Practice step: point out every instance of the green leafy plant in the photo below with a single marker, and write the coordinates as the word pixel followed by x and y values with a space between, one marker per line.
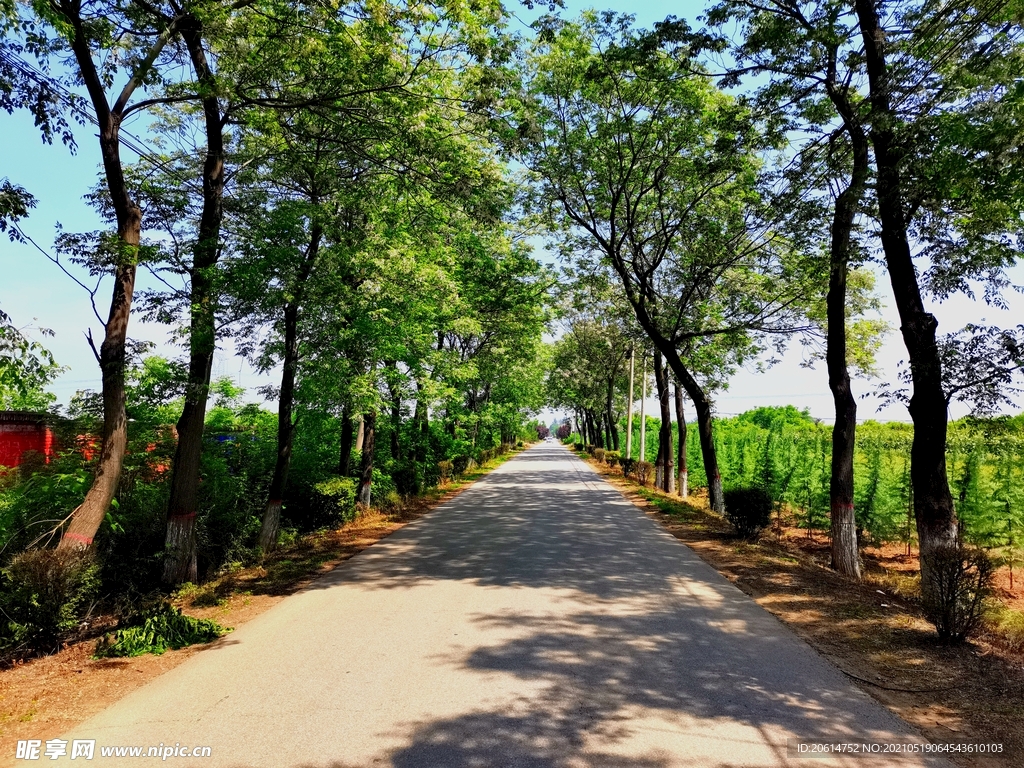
pixel 158 629
pixel 337 497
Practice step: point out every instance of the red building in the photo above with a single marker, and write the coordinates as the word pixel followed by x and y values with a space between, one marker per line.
pixel 22 431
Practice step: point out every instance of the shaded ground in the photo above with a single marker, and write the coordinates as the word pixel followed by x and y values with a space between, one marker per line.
pixel 873 631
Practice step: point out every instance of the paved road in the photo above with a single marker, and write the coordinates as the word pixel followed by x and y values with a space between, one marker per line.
pixel 536 620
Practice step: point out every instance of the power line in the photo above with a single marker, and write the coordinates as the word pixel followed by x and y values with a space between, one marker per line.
pixel 71 99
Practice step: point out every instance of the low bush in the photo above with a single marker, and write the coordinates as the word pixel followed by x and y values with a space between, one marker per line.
pixel 749 510
pixel 382 489
pixel 627 465
pixel 959 581
pixel 336 500
pixel 599 454
pixel 445 468
pixel 43 595
pixel 406 480
pixel 642 472
pixel 157 630
pixel 390 501
pixel 459 465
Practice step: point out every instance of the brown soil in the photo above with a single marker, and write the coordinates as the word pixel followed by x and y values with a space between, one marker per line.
pixel 873 631
pixel 44 697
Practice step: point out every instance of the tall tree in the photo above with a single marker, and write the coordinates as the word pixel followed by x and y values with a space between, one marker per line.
pixel 973 36
pixel 805 51
pixel 937 116
pixel 140 51
pixel 653 172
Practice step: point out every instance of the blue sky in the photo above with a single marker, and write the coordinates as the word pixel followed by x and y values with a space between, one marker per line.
pixel 36 294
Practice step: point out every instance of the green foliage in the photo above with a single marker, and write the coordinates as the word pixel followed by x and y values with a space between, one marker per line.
pixel 34 505
pixel 157 630
pixel 26 368
pixel 43 593
pixel 337 497
pixel 384 493
pixel 749 510
pixel 459 465
pixel 1008 625
pixel 776 417
pixel 789 456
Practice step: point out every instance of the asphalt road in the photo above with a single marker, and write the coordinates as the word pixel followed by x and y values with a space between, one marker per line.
pixel 538 619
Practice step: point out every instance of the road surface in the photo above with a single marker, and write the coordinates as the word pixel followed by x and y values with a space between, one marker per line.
pixel 538 619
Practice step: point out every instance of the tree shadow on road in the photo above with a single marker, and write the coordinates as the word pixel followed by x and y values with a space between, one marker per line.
pixel 534 526
pixel 649 633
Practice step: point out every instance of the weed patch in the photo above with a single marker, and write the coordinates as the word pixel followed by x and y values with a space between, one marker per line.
pixel 161 628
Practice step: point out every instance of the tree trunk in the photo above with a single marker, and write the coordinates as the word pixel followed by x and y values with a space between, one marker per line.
pixel 285 424
pixel 347 438
pixel 422 432
pixel 285 432
pixel 363 492
pixel 613 430
pixel 684 480
pixel 933 504
pixel 659 462
pixel 665 430
pixel 845 555
pixel 89 515
pixel 360 433
pixel 702 406
pixel 629 409
pixel 87 518
pixel 180 546
pixel 395 393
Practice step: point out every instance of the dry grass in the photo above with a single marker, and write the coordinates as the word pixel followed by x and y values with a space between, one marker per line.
pixel 872 630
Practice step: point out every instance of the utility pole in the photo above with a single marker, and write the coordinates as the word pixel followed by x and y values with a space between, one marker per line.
pixel 643 419
pixel 629 411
